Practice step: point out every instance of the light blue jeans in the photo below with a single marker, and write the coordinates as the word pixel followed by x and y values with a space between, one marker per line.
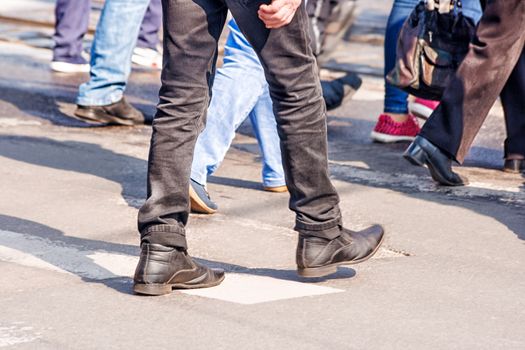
pixel 115 38
pixel 239 91
pixel 396 99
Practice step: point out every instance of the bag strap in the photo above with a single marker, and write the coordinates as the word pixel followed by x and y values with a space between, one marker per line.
pixel 444 6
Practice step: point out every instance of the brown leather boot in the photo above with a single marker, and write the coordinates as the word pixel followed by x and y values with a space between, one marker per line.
pixel 161 269
pixel 118 113
pixel 317 257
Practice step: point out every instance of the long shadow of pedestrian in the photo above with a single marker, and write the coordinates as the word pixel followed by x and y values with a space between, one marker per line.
pixel 53 247
pixel 54 102
pixel 383 167
pixel 52 96
pixel 51 102
pixel 387 169
pixel 81 157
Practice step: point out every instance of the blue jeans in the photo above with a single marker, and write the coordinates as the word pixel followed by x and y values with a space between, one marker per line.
pixel 239 91
pixel 72 19
pixel 115 38
pixel 396 99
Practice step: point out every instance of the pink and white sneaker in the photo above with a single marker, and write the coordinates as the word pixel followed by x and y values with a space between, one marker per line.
pixel 422 108
pixel 387 130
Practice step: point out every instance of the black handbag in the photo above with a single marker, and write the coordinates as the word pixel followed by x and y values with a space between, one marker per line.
pixel 430 48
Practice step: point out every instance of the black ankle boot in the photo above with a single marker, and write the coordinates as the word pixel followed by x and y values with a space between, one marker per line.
pixel 161 269
pixel 317 257
pixel 421 152
pixel 514 166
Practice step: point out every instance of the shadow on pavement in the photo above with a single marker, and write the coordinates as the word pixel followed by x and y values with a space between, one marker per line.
pixel 226 181
pixel 84 248
pixel 383 167
pixel 54 102
pixel 81 157
pixel 43 105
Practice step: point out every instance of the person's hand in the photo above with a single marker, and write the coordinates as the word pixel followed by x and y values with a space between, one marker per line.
pixel 279 13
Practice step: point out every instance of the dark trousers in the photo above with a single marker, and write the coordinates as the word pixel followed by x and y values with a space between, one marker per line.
pixel 191 32
pixel 149 29
pixel 71 24
pixel 492 66
pixel 513 100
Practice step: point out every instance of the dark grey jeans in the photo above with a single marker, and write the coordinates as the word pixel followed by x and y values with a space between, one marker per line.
pixel 191 32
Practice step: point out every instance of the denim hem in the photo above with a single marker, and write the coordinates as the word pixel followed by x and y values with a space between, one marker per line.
pixel 107 100
pixel 71 59
pixel 166 235
pixel 328 230
pixel 396 110
pixel 274 183
pixel 331 233
pixel 198 179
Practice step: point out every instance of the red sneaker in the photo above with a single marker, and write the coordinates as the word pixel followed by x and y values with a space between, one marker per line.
pixel 422 108
pixel 387 130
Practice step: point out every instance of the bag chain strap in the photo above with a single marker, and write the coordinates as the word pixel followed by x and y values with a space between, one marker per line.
pixel 443 6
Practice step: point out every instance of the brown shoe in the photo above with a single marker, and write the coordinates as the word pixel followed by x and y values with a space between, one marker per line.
pixel 162 269
pixel 118 113
pixel 317 257
pixel 277 189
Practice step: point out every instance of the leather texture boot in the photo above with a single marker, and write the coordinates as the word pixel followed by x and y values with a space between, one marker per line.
pixel 318 257
pixel 161 269
pixel 118 113
pixel 422 151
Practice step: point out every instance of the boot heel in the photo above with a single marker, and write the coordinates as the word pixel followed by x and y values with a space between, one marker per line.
pixel 313 272
pixel 152 289
pixel 415 155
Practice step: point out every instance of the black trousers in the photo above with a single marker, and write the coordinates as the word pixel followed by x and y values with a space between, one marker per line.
pixel 191 32
pixel 513 100
pixel 495 64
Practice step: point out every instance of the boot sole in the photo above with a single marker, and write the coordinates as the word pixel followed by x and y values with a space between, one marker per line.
pixel 102 118
pixel 197 205
pixel 313 272
pixel 161 289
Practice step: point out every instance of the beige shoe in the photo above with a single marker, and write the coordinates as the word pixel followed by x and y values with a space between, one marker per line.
pixel 278 189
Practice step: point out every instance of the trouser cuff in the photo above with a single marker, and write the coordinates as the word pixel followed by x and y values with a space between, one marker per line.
pixel 328 230
pixel 166 235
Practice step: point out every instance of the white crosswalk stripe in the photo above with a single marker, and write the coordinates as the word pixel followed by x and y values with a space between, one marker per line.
pixel 241 288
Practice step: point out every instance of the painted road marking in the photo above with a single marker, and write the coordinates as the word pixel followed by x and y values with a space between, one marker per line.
pixel 357 175
pixel 31 251
pixel 16 333
pixel 252 289
pixel 241 288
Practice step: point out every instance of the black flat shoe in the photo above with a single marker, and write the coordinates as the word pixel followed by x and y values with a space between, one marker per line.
pixel 118 113
pixel 514 166
pixel 422 152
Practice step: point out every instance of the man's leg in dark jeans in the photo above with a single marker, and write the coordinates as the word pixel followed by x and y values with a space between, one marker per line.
pixel 291 72
pixel 191 33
